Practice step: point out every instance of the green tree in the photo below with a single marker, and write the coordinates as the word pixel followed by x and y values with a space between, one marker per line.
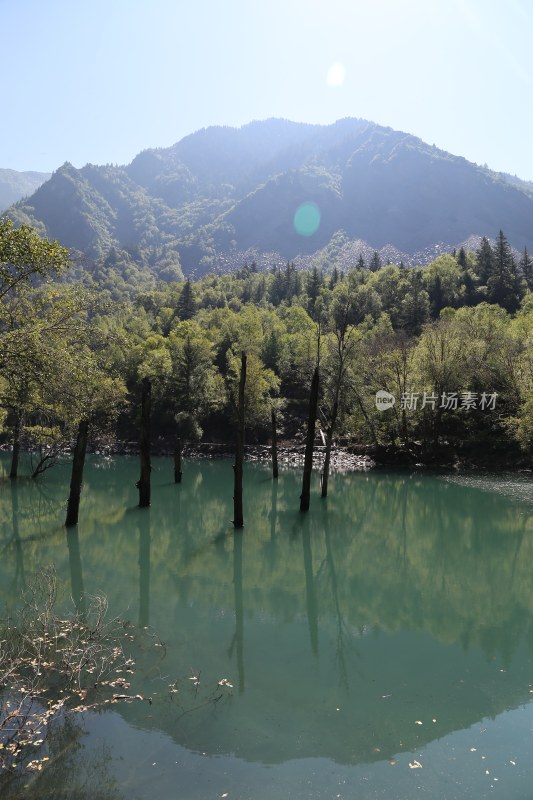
pixel 484 261
pixel 186 304
pixel 504 285
pixel 526 268
pixel 24 255
pixel 195 387
pixel 375 262
pixel 415 304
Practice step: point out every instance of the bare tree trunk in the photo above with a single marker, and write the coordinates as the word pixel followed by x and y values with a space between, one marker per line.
pixel 310 588
pixel 145 444
pixel 239 606
pixel 144 568
pixel 305 496
pixel 329 442
pixel 238 521
pixel 13 473
pixel 274 445
pixel 76 573
pixel 177 460
pixel 76 479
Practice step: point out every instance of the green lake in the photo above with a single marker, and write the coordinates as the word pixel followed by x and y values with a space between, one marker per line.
pixel 379 646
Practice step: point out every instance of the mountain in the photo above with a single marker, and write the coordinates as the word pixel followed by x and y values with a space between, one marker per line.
pixel 15 185
pixel 221 194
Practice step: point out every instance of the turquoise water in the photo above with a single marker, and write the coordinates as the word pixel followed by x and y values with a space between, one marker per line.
pixel 378 647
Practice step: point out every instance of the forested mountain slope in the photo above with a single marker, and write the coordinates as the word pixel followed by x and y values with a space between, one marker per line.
pixel 15 185
pixel 222 193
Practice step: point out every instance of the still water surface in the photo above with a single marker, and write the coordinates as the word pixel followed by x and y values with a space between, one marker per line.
pixel 378 647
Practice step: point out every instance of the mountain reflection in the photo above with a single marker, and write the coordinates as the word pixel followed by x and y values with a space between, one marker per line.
pixel 402 598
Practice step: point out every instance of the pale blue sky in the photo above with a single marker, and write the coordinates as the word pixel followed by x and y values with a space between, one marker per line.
pixel 99 81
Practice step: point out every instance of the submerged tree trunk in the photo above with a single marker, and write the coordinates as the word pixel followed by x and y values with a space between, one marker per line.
pixel 274 445
pixel 144 568
pixel 76 479
pixel 13 473
pixel 177 460
pixel 238 520
pixel 305 496
pixel 76 573
pixel 329 442
pixel 145 444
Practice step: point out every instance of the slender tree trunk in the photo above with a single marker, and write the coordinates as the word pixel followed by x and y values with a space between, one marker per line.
pixel 76 479
pixel 144 568
pixel 305 496
pixel 238 521
pixel 239 606
pixel 310 588
pixel 145 444
pixel 329 442
pixel 13 473
pixel 177 460
pixel 274 445
pixel 76 573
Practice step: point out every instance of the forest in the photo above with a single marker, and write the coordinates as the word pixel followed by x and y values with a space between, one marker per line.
pixel 452 342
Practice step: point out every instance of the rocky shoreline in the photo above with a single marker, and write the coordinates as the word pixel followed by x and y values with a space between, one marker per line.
pixel 288 456
pixel 348 458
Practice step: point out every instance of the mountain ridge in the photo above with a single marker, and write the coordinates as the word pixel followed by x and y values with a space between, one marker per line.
pixel 15 185
pixel 222 192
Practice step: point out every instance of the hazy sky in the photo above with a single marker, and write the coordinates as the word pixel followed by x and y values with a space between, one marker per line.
pixel 99 81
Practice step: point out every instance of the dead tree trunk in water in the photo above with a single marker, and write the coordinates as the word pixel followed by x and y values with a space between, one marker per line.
pixel 76 479
pixel 238 521
pixel 274 445
pixel 143 483
pixel 305 496
pixel 177 460
pixel 329 442
pixel 13 473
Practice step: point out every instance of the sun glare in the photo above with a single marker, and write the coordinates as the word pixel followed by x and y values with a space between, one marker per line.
pixel 336 74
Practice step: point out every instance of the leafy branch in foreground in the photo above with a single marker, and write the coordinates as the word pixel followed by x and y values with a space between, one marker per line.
pixel 51 665
pixel 54 667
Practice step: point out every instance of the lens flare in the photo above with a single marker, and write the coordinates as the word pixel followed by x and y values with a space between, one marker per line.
pixel 307 219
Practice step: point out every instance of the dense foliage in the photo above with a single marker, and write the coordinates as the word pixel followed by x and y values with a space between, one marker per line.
pixel 452 342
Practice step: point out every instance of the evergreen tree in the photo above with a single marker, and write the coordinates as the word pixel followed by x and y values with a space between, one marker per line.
pixel 292 281
pixel 504 286
pixel 484 261
pixel 333 281
pixel 526 268
pixel 315 281
pixel 461 258
pixel 271 352
pixel 277 287
pixel 186 303
pixel 375 262
pixel 361 262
